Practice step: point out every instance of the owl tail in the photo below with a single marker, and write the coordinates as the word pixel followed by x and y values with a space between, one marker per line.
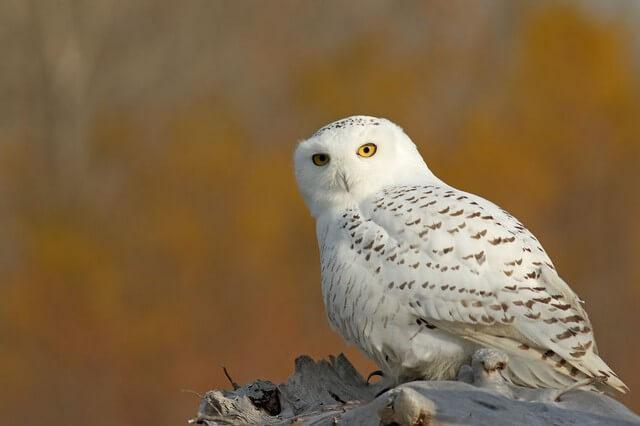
pixel 537 368
pixel 540 374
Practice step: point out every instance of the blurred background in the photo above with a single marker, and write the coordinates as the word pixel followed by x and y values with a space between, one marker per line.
pixel 150 227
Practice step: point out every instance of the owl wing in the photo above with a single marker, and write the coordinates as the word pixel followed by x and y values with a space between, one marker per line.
pixel 462 264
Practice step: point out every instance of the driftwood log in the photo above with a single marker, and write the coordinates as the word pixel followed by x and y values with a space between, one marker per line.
pixel 332 392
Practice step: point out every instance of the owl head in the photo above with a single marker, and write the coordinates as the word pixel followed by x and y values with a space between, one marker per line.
pixel 351 159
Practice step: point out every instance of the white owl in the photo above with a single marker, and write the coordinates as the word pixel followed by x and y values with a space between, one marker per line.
pixel 419 275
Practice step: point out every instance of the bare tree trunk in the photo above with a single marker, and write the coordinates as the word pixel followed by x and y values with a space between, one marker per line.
pixel 68 43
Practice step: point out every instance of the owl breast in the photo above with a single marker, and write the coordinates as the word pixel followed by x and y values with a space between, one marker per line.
pixel 361 309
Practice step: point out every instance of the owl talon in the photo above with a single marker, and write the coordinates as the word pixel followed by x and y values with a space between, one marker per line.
pixel 383 391
pixel 378 373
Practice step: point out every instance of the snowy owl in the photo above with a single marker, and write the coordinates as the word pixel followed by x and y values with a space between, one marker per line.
pixel 419 275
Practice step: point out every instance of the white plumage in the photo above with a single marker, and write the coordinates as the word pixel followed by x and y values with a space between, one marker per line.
pixel 419 275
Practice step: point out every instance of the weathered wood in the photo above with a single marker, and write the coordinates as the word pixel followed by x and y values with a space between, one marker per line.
pixel 332 391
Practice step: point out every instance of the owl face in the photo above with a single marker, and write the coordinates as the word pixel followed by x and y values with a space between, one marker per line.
pixel 350 159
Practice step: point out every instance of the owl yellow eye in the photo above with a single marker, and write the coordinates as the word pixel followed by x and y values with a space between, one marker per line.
pixel 320 159
pixel 367 150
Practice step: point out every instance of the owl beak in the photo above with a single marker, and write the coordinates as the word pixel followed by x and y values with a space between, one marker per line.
pixel 342 180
